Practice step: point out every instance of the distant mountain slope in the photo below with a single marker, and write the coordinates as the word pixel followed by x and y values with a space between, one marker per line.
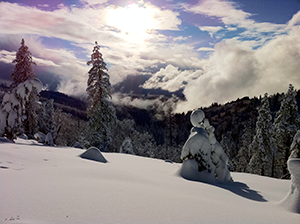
pixel 68 104
pixel 133 84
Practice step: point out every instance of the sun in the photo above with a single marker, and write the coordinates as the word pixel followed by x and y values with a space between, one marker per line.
pixel 134 19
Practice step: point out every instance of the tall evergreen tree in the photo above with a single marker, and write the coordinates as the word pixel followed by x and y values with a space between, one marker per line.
pixel 23 69
pixel 101 112
pixel 243 157
pixel 286 125
pixel 23 97
pixel 32 106
pixel 263 145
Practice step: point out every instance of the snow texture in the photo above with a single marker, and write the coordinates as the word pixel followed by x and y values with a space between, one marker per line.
pixel 43 184
pixel 93 153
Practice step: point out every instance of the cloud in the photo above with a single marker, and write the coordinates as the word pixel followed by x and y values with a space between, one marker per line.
pixel 81 27
pixel 224 10
pixel 7 56
pixel 235 70
pixel 120 99
pixel 171 78
pixel 206 49
pixel 232 17
pixel 211 29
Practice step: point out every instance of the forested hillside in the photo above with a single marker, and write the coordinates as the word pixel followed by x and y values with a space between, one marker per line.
pixel 163 133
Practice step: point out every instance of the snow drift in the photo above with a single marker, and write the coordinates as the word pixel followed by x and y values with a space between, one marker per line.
pixel 43 184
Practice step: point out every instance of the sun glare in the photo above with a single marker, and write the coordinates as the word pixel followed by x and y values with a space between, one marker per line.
pixel 134 20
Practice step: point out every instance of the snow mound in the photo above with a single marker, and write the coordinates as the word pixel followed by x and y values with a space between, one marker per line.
pixel 93 154
pixel 189 171
pixel 292 201
pixel 2 139
pixel 77 145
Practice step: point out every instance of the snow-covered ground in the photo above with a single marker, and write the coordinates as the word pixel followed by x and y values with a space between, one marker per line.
pixel 40 184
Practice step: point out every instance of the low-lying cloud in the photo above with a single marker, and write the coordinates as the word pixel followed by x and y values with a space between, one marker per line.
pixel 235 70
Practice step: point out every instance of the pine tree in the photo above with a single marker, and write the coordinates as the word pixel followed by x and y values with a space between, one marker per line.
pixel 23 69
pixel 243 157
pixel 32 107
pixel 295 147
pixel 101 112
pixel 47 120
pixel 286 125
pixel 263 145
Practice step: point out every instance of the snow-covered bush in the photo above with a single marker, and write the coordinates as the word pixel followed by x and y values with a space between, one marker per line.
pixel 203 149
pixel 126 146
pixel 40 137
pixel 295 147
pixel 218 156
pixel 198 146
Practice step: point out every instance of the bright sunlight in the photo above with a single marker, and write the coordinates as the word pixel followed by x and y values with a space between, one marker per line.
pixel 134 19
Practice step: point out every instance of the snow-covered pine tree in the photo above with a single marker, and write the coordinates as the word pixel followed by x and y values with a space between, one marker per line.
pixel 47 120
pixel 12 111
pixel 286 125
pixel 243 157
pixel 23 69
pixel 263 144
pixel 295 147
pixel 101 112
pixel 22 72
pixel 32 106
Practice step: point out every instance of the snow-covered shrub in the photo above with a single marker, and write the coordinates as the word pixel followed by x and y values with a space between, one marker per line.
pixel 126 146
pixel 218 156
pixel 198 146
pixel 40 137
pixel 295 147
pixel 203 149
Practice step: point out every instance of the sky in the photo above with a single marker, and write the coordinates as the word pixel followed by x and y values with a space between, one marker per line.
pixel 215 51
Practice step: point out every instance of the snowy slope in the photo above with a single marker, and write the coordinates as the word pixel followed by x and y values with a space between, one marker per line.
pixel 40 184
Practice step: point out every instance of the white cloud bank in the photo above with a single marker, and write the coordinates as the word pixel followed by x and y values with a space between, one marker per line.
pixel 235 70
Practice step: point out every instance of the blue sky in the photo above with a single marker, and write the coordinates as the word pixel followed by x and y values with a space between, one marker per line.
pixel 217 51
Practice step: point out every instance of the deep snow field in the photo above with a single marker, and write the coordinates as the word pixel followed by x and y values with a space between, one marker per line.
pixel 40 184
